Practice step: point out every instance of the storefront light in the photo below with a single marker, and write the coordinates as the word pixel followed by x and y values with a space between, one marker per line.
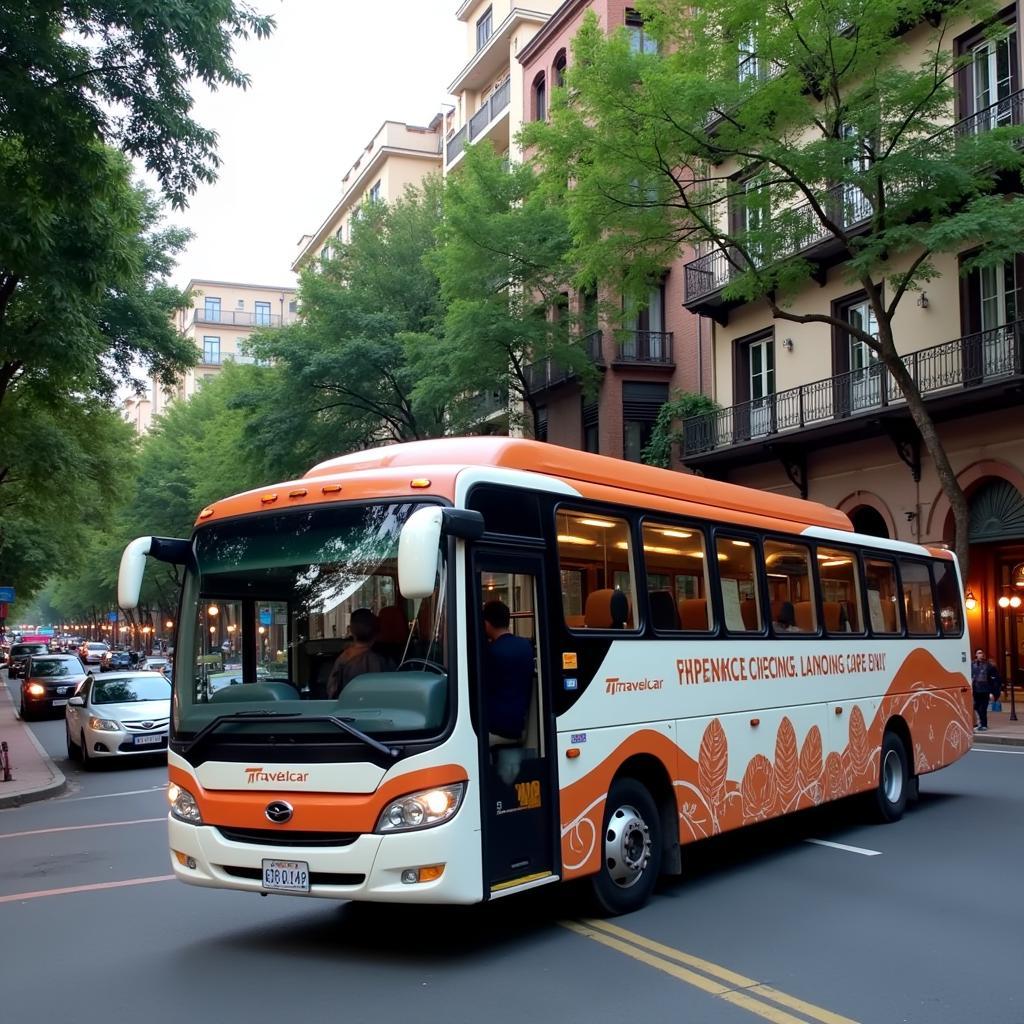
pixel 1004 602
pixel 970 601
pixel 1015 601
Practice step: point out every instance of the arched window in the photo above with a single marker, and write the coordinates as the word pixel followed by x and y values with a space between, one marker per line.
pixel 540 98
pixel 558 69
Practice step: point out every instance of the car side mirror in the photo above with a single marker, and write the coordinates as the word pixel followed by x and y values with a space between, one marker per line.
pixel 76 702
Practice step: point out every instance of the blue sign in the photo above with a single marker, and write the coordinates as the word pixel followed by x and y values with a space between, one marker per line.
pixel 46 631
pixel 6 595
pixel 265 617
pixel 111 616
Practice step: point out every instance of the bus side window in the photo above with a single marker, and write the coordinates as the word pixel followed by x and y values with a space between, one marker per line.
pixel 949 598
pixel 737 577
pixel 677 578
pixel 883 608
pixel 790 587
pixel 596 570
pixel 840 591
pixel 917 598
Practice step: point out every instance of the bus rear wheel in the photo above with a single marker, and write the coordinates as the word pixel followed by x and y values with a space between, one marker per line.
pixel 894 781
pixel 631 849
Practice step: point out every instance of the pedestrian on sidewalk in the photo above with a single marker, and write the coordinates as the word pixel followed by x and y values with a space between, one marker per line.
pixel 985 684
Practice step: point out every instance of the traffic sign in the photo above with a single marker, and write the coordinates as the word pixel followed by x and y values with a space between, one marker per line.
pixel 6 595
pixel 111 616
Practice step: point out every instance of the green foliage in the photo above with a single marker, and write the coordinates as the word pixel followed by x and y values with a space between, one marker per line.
pixel 503 271
pixel 345 377
pixel 667 427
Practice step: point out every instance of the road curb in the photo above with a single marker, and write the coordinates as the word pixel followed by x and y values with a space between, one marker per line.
pixel 998 741
pixel 27 796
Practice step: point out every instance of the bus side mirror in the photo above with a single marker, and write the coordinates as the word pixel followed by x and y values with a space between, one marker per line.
pixel 418 545
pixel 129 575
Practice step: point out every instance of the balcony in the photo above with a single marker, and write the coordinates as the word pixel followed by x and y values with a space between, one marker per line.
pixel 958 377
pixel 236 318
pixel 546 373
pixel 648 348
pixel 486 405
pixel 477 126
pixel 456 144
pixel 707 276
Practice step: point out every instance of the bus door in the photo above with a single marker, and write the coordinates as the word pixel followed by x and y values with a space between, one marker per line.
pixel 511 712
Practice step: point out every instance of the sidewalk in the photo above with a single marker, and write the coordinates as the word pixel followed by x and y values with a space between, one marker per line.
pixel 34 776
pixel 1001 730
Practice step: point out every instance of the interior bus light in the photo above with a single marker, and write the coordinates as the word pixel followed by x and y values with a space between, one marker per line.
pixel 571 538
pixel 656 550
pixel 832 562
pixel 601 523
pixel 681 534
pixel 741 543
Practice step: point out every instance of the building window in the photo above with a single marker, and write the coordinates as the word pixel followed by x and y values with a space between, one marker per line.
pixel 754 386
pixel 293 306
pixel 641 402
pixel 591 436
pixel 374 194
pixel 859 374
pixel 542 423
pixel 989 79
pixel 639 40
pixel 240 304
pixel 540 98
pixel 558 69
pixel 211 351
pixel 484 27
pixel 749 66
pixel 262 318
pixel 211 309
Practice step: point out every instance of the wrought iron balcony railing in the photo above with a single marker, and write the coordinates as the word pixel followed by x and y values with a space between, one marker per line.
pixel 547 373
pixel 967 362
pixel 645 347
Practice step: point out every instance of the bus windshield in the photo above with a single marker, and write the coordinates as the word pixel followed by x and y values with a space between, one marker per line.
pixel 298 614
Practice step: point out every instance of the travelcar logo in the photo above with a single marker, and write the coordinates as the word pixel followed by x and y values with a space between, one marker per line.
pixel 254 775
pixel 613 684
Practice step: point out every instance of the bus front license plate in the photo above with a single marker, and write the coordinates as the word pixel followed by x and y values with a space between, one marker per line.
pixel 286 875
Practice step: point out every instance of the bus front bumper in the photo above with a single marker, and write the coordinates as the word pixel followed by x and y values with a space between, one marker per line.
pixel 369 868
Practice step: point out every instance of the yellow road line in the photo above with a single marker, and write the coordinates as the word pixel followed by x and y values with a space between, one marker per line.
pixel 737 989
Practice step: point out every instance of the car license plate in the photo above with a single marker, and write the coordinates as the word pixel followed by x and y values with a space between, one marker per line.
pixel 286 875
pixel 59 703
pixel 144 741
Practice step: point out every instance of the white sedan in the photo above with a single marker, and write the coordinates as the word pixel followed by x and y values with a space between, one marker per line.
pixel 118 714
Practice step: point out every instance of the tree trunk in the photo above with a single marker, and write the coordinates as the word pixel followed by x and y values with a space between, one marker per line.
pixel 933 444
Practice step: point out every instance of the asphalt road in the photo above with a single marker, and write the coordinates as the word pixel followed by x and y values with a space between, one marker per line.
pixel 926 930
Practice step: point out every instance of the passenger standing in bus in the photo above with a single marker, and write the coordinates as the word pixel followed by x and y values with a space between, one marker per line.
pixel 508 668
pixel 358 657
pixel 985 683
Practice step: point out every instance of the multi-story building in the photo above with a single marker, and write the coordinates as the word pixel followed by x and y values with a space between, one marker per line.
pixel 398 156
pixel 647 356
pixel 138 411
pixel 808 409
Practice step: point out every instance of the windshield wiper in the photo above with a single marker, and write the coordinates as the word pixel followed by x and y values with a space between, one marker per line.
pixel 345 724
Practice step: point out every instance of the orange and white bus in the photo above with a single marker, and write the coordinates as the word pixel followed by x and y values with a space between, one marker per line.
pixel 705 656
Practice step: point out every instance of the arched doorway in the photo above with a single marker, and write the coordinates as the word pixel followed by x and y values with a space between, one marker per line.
pixel 869 520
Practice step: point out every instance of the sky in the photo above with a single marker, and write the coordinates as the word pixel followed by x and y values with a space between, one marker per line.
pixel 322 84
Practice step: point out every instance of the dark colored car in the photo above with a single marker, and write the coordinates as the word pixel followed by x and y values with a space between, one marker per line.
pixel 115 661
pixel 49 681
pixel 20 654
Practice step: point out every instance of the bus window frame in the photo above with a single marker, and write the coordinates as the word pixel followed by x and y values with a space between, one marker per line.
pixel 858 572
pixel 962 616
pixel 729 532
pixel 891 558
pixel 797 540
pixel 630 517
pixel 937 630
pixel 703 529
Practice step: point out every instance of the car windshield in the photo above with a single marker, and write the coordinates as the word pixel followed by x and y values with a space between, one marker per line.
pixel 299 612
pixel 22 649
pixel 47 667
pixel 97 647
pixel 128 691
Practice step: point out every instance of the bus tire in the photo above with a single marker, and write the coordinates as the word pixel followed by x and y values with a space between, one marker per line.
pixel 631 849
pixel 894 780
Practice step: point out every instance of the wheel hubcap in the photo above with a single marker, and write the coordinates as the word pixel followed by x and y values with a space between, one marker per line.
pixel 892 777
pixel 627 847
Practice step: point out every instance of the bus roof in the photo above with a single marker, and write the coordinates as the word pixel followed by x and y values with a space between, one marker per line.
pixel 576 467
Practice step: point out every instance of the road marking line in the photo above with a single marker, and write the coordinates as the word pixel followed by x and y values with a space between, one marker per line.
pixel 77 828
pixel 845 848
pixel 104 796
pixel 993 750
pixel 95 887
pixel 741 991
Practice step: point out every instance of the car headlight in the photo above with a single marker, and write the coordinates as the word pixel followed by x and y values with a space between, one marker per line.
pixel 183 805
pixel 421 810
pixel 104 724
pixel 36 690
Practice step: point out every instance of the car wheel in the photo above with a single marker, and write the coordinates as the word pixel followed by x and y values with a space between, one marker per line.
pixel 631 859
pixel 74 750
pixel 87 761
pixel 889 799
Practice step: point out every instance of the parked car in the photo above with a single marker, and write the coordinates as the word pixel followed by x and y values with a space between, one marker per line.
pixel 20 654
pixel 91 653
pixel 50 680
pixel 117 715
pixel 156 664
pixel 113 661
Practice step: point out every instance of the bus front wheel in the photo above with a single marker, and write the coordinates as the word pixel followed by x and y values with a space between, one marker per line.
pixel 631 849
pixel 894 783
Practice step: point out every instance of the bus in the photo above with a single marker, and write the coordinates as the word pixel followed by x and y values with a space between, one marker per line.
pixel 705 656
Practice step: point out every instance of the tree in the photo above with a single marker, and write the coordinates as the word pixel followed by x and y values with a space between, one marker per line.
pixel 345 378
pixel 666 433
pixel 505 281
pixel 830 108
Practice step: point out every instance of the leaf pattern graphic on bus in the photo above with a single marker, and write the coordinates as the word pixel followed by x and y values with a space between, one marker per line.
pixel 758 789
pixel 787 760
pixel 810 766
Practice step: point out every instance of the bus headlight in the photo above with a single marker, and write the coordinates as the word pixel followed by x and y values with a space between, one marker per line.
pixel 183 805
pixel 421 810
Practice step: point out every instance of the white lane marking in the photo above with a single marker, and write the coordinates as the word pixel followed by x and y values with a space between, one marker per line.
pixel 104 796
pixel 18 896
pixel 78 828
pixel 847 849
pixel 994 750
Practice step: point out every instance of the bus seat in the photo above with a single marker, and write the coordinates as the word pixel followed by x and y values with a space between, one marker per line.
pixel 804 613
pixel 600 608
pixel 748 609
pixel 693 613
pixel 576 621
pixel 663 610
pixel 776 607
pixel 833 612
